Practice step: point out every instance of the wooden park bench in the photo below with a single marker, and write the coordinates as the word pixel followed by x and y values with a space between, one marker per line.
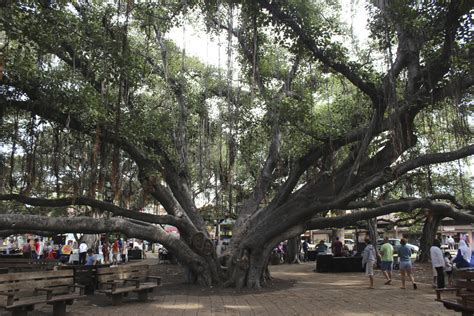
pixel 85 275
pixel 118 281
pixel 464 300
pixel 27 264
pixel 20 292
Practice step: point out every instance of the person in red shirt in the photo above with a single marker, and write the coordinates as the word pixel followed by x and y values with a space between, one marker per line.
pixel 115 251
pixel 38 248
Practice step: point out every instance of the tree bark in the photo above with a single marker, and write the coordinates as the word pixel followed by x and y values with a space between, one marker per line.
pixel 430 228
pixel 293 250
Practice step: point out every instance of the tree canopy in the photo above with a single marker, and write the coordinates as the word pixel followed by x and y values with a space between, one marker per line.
pixel 297 123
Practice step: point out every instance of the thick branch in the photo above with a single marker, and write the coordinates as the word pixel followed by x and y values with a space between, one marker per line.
pixel 104 206
pixel 282 17
pixel 87 225
pixel 402 206
pixel 430 159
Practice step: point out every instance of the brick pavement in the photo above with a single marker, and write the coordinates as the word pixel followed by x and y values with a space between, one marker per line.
pixel 298 291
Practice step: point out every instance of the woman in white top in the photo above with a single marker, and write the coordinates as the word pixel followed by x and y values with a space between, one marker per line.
pixel 437 260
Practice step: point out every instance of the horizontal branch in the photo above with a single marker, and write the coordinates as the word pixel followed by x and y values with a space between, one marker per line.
pixel 81 224
pixel 405 206
pixel 435 158
pixel 104 206
pixel 88 225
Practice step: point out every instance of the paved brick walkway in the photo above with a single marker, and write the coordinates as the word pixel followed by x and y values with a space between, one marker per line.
pixel 298 291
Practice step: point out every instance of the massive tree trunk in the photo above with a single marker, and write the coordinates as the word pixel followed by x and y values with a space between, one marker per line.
pixel 430 228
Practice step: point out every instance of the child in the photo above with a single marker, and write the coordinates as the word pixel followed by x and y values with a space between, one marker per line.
pixel 91 258
pixel 448 267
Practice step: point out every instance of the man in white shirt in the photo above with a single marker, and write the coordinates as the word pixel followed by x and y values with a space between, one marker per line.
pixel 10 246
pixel 83 252
pixel 437 260
pixel 451 243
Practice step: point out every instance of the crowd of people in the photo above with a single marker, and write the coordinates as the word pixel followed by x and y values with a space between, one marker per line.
pixel 38 248
pixel 442 262
pixel 369 260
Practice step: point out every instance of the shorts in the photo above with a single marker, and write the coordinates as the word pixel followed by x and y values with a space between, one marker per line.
pixel 449 273
pixel 405 265
pixel 435 273
pixel 369 268
pixel 386 265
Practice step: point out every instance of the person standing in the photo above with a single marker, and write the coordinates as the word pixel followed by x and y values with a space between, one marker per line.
pixel 83 252
pixel 451 243
pixel 106 251
pixel 115 252
pixel 27 249
pixel 123 250
pixel 369 259
pixel 9 246
pixel 448 267
pixel 33 248
pixel 404 253
pixel 437 260
pixel 41 248
pixel 66 251
pixel 38 248
pixel 305 250
pixel 387 260
pixel 337 247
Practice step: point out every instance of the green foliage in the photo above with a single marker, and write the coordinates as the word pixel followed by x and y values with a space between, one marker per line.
pixel 112 67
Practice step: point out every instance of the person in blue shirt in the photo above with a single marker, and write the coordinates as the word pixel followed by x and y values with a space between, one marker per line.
pixel 404 254
pixel 321 248
pixel 90 259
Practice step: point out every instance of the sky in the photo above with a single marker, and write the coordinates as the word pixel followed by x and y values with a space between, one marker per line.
pixel 200 45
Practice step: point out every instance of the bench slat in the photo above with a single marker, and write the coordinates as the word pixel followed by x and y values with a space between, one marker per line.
pixel 20 276
pixel 31 285
pixel 465 284
pixel 465 274
pixel 24 302
pixel 66 297
pixel 144 286
pixel 122 276
pixel 108 270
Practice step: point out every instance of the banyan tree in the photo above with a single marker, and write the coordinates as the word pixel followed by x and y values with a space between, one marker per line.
pixel 294 122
